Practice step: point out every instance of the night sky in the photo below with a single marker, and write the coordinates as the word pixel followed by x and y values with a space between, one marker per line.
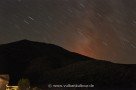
pixel 103 29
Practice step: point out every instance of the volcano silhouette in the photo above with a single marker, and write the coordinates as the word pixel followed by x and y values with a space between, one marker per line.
pixel 44 63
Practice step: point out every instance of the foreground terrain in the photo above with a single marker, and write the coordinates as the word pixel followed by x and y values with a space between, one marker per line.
pixel 45 64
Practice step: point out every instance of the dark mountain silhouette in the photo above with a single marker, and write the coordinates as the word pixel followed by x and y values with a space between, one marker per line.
pixel 47 63
pixel 16 57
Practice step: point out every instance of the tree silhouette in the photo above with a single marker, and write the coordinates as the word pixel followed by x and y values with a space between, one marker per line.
pixel 24 84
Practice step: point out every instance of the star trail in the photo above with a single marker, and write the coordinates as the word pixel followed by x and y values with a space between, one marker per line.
pixel 103 29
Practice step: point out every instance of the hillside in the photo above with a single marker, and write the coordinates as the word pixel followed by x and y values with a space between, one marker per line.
pixel 16 57
pixel 47 63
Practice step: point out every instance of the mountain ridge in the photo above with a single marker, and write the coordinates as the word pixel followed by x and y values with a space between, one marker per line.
pixel 45 63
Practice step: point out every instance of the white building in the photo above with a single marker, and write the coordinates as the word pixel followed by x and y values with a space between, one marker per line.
pixel 4 80
pixel 11 87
